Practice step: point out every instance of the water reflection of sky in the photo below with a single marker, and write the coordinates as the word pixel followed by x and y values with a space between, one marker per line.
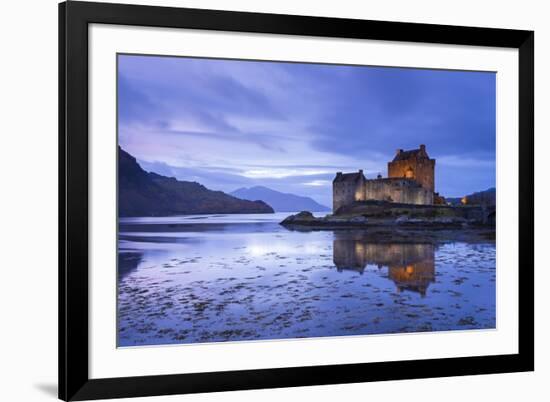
pixel 211 219
pixel 230 279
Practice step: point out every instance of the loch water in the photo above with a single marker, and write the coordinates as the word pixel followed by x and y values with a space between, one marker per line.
pixel 216 278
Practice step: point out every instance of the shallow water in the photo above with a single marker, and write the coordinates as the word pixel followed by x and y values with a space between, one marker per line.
pixel 213 278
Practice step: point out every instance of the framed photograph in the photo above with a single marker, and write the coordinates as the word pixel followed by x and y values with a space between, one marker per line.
pixel 257 201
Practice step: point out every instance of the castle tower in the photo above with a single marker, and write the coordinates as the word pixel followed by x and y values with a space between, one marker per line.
pixel 347 188
pixel 414 164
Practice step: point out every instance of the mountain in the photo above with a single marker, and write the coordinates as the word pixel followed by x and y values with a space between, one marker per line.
pixel 486 197
pixel 281 202
pixel 150 194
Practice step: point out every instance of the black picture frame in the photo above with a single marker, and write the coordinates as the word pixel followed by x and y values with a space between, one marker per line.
pixel 74 18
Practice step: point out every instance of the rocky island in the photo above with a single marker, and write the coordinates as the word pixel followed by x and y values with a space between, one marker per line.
pixel 387 220
pixel 383 213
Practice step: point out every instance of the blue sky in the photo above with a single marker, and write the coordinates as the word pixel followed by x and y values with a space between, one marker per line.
pixel 290 126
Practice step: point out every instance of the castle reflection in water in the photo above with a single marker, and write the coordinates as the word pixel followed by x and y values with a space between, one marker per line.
pixel 410 266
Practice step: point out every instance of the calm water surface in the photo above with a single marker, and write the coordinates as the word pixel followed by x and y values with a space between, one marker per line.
pixel 213 278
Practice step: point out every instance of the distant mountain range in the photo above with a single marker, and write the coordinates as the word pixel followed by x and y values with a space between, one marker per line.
pixel 280 202
pixel 486 197
pixel 150 194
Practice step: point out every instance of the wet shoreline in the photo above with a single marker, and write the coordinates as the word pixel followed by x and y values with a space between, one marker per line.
pixel 257 280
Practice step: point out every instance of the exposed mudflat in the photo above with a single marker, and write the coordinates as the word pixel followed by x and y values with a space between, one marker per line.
pixel 221 278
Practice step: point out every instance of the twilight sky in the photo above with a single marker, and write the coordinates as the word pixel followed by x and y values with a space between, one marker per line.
pixel 229 124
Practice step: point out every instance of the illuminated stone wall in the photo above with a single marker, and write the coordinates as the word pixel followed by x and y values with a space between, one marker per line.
pixel 405 191
pixel 345 192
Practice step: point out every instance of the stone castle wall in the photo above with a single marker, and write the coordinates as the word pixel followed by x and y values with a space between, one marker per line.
pixel 345 193
pixel 404 191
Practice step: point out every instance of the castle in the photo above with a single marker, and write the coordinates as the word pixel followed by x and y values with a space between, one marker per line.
pixel 410 181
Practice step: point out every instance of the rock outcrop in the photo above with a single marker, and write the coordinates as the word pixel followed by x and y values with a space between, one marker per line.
pixel 381 213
